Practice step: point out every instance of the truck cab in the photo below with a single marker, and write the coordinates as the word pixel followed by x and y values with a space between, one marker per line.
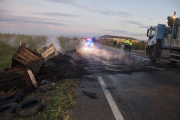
pixel 164 41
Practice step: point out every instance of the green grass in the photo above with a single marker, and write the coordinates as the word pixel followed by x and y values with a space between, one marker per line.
pixel 9 44
pixel 57 102
pixel 6 53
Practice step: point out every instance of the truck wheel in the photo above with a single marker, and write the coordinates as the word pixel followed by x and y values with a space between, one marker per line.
pixel 152 55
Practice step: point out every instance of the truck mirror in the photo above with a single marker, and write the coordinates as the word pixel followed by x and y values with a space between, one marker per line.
pixel 147 34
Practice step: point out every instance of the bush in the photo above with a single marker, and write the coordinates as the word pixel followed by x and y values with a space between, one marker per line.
pixel 139 46
pixel 115 42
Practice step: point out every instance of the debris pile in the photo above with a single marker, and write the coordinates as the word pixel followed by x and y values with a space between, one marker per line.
pixel 30 67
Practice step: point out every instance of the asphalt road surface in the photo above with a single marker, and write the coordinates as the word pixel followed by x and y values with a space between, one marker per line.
pixel 120 87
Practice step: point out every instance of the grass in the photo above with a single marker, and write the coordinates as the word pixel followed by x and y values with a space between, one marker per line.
pixel 57 102
pixel 9 43
pixel 6 53
pixel 143 53
pixel 135 46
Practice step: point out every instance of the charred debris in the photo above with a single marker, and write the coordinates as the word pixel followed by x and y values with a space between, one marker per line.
pixel 30 68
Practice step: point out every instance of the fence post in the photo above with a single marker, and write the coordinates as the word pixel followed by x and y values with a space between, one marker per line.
pixel 134 45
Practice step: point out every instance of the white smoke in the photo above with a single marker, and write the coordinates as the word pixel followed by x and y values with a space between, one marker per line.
pixel 104 54
pixel 55 41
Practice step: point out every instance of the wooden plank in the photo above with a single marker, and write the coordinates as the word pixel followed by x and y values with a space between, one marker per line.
pixel 28 80
pixel 40 48
pixel 32 78
pixel 14 83
pixel 38 61
pixel 27 64
pixel 29 60
pixel 49 57
pixel 15 69
pixel 11 74
pixel 55 50
pixel 46 52
pixel 33 55
pixel 11 78
pixel 50 52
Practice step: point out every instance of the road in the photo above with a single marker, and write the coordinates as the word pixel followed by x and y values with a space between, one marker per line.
pixel 134 89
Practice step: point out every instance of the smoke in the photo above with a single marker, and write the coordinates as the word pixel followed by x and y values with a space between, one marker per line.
pixel 98 52
pixel 104 54
pixel 55 41
pixel 32 42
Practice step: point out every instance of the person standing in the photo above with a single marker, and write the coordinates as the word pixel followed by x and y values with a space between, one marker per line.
pixel 130 46
pixel 126 46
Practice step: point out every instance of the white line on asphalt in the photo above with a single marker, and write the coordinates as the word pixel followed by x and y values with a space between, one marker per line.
pixel 115 110
pixel 156 68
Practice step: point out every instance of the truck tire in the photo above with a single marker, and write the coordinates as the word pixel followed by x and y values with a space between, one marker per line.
pixel 152 55
pixel 7 111
pixel 10 99
pixel 29 107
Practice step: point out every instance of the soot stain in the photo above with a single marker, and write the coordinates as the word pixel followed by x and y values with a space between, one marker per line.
pixel 91 95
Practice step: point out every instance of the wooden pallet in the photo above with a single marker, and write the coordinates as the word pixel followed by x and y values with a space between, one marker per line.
pixel 15 77
pixel 28 57
pixel 49 52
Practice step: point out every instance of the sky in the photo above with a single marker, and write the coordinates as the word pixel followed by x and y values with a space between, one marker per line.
pixel 85 18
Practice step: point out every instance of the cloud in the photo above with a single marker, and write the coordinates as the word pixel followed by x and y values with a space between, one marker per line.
pixel 56 14
pixel 30 3
pixel 144 26
pixel 125 32
pixel 107 12
pixel 150 19
pixel 64 1
pixel 138 23
pixel 133 22
pixel 116 31
pixel 32 20
pixel 4 11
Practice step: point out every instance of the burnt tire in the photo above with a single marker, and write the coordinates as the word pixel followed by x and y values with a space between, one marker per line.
pixel 152 56
pixel 10 99
pixel 7 111
pixel 29 107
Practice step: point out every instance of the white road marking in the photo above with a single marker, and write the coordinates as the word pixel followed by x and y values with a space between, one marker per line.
pixel 156 68
pixel 114 108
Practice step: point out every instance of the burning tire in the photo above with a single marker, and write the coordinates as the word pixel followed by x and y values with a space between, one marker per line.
pixel 29 107
pixel 10 99
pixel 7 111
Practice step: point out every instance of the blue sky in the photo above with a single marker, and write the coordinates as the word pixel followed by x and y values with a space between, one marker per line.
pixel 86 18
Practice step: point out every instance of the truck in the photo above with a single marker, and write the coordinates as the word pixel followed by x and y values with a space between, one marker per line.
pixel 164 41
